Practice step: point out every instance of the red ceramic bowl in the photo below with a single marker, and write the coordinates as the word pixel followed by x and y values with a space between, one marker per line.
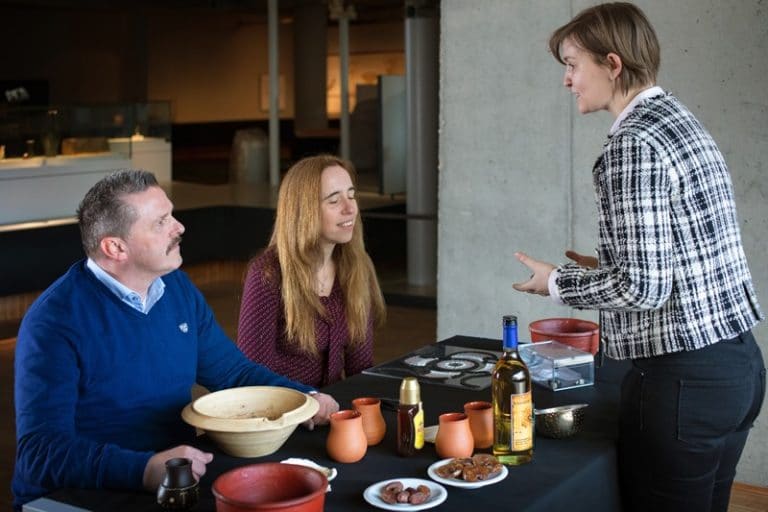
pixel 270 486
pixel 581 334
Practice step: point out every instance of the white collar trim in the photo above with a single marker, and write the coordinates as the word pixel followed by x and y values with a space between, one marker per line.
pixel 642 95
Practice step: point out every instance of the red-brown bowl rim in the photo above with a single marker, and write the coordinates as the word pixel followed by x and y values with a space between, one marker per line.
pixel 283 503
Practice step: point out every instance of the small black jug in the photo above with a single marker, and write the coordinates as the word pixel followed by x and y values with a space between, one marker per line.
pixel 179 490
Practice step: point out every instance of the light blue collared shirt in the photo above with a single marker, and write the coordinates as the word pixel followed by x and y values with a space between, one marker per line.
pixel 125 294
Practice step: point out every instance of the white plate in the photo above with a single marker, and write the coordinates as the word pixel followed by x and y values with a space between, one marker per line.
pixel 330 473
pixel 431 471
pixel 430 433
pixel 437 495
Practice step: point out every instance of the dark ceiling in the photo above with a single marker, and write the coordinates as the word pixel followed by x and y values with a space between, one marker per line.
pixel 367 11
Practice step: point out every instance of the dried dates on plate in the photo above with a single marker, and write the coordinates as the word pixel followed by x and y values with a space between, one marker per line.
pixel 471 469
pixel 470 472
pixel 395 492
pixel 405 494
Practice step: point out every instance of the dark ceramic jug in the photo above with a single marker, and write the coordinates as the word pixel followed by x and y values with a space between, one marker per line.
pixel 179 489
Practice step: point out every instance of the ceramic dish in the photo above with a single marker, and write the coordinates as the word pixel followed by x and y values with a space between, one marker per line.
pixel 455 482
pixel 330 473
pixel 438 494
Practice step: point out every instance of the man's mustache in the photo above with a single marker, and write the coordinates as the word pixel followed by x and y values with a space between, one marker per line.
pixel 176 241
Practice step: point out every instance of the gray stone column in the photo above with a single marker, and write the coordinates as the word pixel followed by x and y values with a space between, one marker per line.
pixel 274 94
pixel 421 92
pixel 310 55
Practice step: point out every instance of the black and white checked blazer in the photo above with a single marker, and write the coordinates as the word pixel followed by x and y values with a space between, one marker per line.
pixel 673 275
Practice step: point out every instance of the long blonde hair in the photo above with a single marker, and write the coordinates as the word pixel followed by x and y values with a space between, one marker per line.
pixel 296 239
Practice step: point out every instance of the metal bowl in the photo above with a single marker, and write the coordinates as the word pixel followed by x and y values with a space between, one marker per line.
pixel 560 422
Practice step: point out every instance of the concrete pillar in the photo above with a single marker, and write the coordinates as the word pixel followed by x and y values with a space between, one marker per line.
pixel 421 96
pixel 338 11
pixel 310 56
pixel 274 94
pixel 344 83
pixel 135 89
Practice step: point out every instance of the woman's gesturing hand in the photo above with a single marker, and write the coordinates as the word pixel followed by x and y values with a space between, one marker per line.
pixel 538 283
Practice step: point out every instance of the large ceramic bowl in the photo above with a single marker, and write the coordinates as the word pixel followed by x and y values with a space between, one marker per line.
pixel 270 486
pixel 581 334
pixel 250 421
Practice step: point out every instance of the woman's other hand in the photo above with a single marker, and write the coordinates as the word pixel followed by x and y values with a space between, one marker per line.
pixel 581 260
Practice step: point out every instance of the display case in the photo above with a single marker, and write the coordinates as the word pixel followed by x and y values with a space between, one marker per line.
pixel 50 156
pixel 74 129
pixel 557 366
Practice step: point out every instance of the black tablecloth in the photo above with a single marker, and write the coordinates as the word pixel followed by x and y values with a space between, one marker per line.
pixel 578 473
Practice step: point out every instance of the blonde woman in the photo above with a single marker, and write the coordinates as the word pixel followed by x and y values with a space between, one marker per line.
pixel 311 299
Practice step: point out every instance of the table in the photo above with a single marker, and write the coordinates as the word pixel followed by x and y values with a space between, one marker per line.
pixel 578 473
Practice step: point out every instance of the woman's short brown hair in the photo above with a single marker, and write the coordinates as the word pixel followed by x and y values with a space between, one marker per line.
pixel 620 28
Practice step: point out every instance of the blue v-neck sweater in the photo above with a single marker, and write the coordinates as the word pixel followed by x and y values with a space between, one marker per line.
pixel 99 386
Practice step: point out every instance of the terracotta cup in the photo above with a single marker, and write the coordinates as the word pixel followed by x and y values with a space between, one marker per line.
pixel 374 425
pixel 346 440
pixel 454 438
pixel 480 416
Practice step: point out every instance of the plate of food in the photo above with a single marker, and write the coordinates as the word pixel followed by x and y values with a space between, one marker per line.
pixel 468 473
pixel 405 494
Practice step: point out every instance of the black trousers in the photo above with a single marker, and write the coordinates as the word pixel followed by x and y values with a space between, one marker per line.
pixel 683 425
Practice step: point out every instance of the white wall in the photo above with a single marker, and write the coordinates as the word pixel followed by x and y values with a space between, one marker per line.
pixel 516 157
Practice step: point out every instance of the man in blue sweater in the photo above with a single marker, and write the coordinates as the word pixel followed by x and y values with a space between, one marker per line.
pixel 106 357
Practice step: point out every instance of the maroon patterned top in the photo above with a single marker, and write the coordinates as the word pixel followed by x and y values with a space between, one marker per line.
pixel 261 331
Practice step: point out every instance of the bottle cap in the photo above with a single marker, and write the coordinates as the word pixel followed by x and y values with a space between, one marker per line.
pixel 509 320
pixel 410 391
pixel 509 332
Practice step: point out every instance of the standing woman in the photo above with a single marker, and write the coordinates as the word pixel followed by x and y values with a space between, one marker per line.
pixel 670 280
pixel 311 299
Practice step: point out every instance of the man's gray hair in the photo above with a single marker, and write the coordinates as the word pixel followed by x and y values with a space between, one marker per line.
pixel 102 212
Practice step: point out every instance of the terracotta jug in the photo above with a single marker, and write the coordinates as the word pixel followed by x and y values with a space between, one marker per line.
pixel 454 438
pixel 374 425
pixel 179 490
pixel 346 440
pixel 480 415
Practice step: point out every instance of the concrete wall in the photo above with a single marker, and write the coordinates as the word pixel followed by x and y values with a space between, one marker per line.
pixel 516 156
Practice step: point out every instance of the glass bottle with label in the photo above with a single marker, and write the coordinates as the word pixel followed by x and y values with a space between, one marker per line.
pixel 512 402
pixel 410 418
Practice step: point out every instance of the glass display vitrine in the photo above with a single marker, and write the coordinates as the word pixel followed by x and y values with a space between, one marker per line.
pixel 73 129
pixel 50 156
